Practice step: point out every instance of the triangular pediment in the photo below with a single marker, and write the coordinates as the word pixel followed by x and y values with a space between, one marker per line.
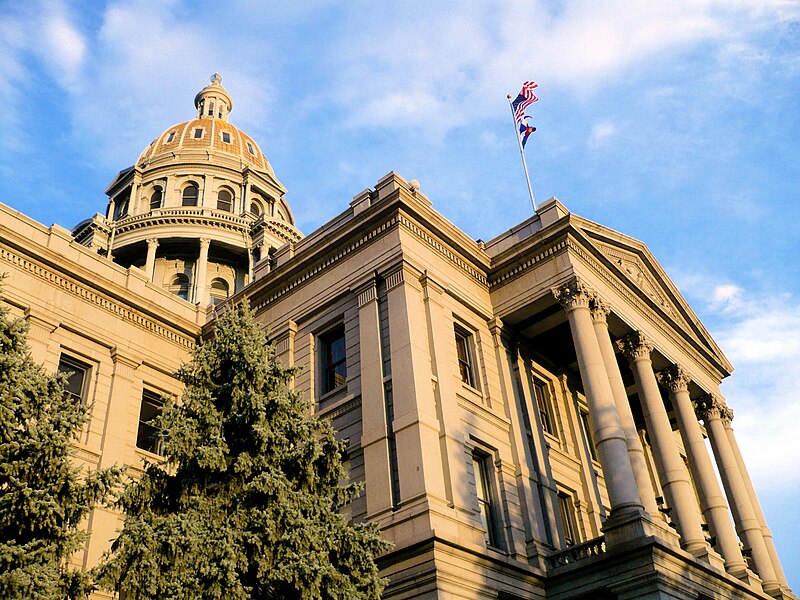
pixel 633 261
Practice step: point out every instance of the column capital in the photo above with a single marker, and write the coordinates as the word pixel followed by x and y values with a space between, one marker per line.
pixel 600 310
pixel 635 346
pixel 205 242
pixel 711 406
pixel 674 378
pixel 573 294
pixel 152 241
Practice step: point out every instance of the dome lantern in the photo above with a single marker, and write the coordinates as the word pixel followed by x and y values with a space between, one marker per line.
pixel 213 101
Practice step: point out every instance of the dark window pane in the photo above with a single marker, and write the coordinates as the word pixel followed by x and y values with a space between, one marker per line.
pixel 147 435
pixel 226 137
pixel 76 377
pixel 190 195
pixel 544 406
pixel 464 353
pixel 224 201
pixel 334 359
pixel 198 133
pixel 155 199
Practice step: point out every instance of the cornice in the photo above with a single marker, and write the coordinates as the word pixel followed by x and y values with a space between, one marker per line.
pixel 88 295
pixel 550 250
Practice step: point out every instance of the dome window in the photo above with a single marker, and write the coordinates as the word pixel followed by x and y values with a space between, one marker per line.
pixel 190 194
pixel 226 137
pixel 155 199
pixel 219 290
pixel 210 109
pixel 198 133
pixel 256 209
pixel 180 286
pixel 250 149
pixel 171 136
pixel 225 201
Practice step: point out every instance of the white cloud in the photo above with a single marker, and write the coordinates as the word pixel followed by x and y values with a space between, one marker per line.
pixel 62 46
pixel 601 132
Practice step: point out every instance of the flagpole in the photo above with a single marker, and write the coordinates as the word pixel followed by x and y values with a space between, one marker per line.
pixel 522 154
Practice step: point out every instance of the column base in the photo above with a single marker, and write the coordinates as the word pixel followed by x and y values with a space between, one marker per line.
pixel 708 555
pixel 780 592
pixel 633 524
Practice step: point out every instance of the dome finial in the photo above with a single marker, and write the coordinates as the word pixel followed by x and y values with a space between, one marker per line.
pixel 216 78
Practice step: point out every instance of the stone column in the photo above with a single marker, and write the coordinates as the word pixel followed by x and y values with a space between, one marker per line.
pixel 714 412
pixel 612 448
pixel 712 502
pixel 373 405
pixel 773 553
pixel 672 471
pixel 201 273
pixel 635 452
pixel 150 264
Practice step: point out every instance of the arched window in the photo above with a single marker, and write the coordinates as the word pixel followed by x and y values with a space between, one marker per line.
pixel 180 286
pixel 120 208
pixel 210 109
pixel 219 290
pixel 156 198
pixel 256 209
pixel 190 195
pixel 224 200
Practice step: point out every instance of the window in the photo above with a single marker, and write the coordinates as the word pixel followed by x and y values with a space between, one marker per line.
pixel 180 286
pixel 190 195
pixel 544 406
pixel 147 436
pixel 334 359
pixel 210 109
pixel 250 149
pixel 155 199
pixel 219 290
pixel 77 377
pixel 255 208
pixel 170 136
pixel 487 505
pixel 198 133
pixel 587 432
pixel 224 201
pixel 226 137
pixel 120 208
pixel 466 363
pixel 566 508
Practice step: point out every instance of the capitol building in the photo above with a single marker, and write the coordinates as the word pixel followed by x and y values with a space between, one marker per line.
pixel 531 416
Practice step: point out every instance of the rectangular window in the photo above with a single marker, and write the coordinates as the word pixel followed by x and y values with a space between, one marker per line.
pixel 487 505
pixel 334 359
pixel 465 353
pixel 171 136
pixel 226 137
pixel 250 148
pixel 566 508
pixel 147 436
pixel 77 377
pixel 587 432
pixel 198 133
pixel 544 406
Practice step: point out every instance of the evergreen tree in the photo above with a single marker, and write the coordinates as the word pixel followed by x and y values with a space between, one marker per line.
pixel 244 504
pixel 43 498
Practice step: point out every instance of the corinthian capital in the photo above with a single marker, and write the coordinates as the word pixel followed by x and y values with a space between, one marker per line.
pixel 600 309
pixel 573 294
pixel 674 378
pixel 635 346
pixel 710 407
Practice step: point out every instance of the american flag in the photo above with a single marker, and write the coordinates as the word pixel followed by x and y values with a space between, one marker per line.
pixel 525 98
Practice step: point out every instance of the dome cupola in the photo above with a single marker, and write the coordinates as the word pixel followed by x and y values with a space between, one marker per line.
pixel 199 208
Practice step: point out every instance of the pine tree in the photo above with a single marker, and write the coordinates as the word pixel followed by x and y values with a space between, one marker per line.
pixel 244 504
pixel 43 497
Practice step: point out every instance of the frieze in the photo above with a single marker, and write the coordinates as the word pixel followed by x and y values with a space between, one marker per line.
pixel 533 260
pixel 86 294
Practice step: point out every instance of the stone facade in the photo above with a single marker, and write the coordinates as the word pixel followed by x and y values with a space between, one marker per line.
pixel 527 415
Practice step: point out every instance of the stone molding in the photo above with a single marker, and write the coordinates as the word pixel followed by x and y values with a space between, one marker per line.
pixel 674 378
pixel 88 295
pixel 635 346
pixel 521 268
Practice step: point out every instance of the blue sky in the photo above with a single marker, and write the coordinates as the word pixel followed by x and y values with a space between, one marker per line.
pixel 674 122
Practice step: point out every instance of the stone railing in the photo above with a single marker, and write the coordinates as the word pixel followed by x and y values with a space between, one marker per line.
pixel 577 553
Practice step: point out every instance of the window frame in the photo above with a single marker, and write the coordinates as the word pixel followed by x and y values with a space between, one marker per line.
pixel 467 371
pixel 170 137
pixel 487 498
pixel 545 406
pixel 75 365
pixel 326 340
pixel 191 185
pixel 198 130
pixel 156 400
pixel 586 428
pixel 567 512
pixel 230 202
pixel 157 190
pixel 226 134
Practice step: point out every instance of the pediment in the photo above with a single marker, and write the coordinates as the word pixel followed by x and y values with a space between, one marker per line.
pixel 633 261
